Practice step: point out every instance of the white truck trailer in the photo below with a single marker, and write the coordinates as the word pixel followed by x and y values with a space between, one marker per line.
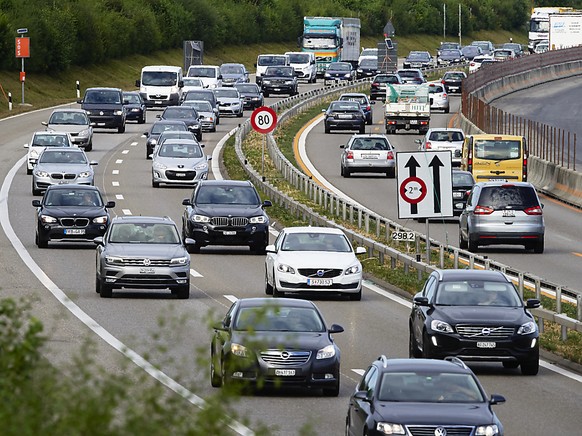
pixel 565 30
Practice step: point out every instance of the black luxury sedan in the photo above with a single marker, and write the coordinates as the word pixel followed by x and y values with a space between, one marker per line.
pixel 184 113
pixel 276 343
pixel 476 315
pixel 421 397
pixel 251 95
pixel 279 80
pixel 344 115
pixel 135 107
pixel 226 212
pixel 71 213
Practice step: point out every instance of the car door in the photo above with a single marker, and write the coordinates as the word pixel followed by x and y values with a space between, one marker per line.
pixel 418 314
pixel 271 257
pixel 465 218
pixel 360 410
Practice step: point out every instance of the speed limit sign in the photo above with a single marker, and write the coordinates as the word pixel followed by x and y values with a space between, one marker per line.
pixel 264 119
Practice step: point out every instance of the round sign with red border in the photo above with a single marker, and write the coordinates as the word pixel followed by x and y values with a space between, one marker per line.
pixel 413 185
pixel 264 119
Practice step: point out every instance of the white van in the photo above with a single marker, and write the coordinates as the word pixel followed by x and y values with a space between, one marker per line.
pixel 161 85
pixel 304 65
pixel 209 74
pixel 268 60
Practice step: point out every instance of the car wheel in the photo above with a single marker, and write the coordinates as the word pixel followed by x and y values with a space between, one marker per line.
pixel 531 366
pixel 106 290
pixel 266 94
pixel 258 248
pixel 41 242
pixel 426 351
pixel 183 292
pixel 347 173
pixel 357 296
pixel 333 391
pixel 155 184
pixel 142 120
pixel 511 364
pixel 28 171
pixel 391 173
pixel 217 121
pixel 89 146
pixel 363 128
pixel 369 121
pixel 539 246
pixel 447 110
pixel 462 243
pixel 240 114
pixel 268 286
pixel 215 376
pixel 97 285
pixel 193 248
pixel 326 128
pixel 277 293
pixel 472 244
pixel 35 191
pixel 148 152
pixel 413 351
pixel 213 128
pixel 121 129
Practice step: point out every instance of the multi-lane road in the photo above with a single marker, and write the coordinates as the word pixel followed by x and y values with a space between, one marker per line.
pixel 62 278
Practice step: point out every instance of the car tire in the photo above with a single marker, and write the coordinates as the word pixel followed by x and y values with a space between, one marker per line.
pixel 363 128
pixel 258 248
pixel 148 154
pixel 155 184
pixel 217 120
pixel 347 173
pixel 28 171
pixel 213 129
pixel 333 391
pixel 266 94
pixel 240 114
pixel 539 247
pixel 41 242
pixel 142 120
pixel 357 296
pixel 215 376
pixel 97 285
pixel 426 350
pixel 472 244
pixel 326 128
pixel 413 351
pixel 447 110
pixel 369 121
pixel 106 290
pixel 277 293
pixel 463 245
pixel 89 146
pixel 531 365
pixel 35 192
pixel 183 292
pixel 268 286
pixel 121 129
pixel 391 173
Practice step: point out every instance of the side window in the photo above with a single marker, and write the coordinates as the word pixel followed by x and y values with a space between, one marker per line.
pixel 473 196
pixel 279 241
pixel 427 285
pixel 430 288
pixel 368 382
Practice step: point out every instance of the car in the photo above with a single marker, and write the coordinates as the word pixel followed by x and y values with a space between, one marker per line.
pixel 476 62
pixel 447 46
pixel 208 74
pixel 542 46
pixel 476 315
pixel 262 342
pixel 233 73
pixel 486 46
pixel 338 72
pixel 206 115
pixel 184 113
pixel 142 252
pixel 265 61
pixel 304 65
pixel 502 212
pixel 488 61
pixel 313 260
pixel 191 83
pixel 439 99
pixel 517 48
pixel 251 95
pixel 105 107
pixel 279 80
pixel 344 115
pixel 157 128
pixel 368 67
pixel 179 162
pixel 203 94
pixel 135 107
pixel 364 101
pixel 418 59
pixel 229 101
pixel 463 182
pixel 71 213
pixel 175 134
pixel 41 140
pixel 368 153
pixel 470 51
pixel 226 212
pixel 450 56
pixel 421 397
pixel 411 75
pixel 75 122
pixel 62 165
pixel 444 138
pixel 368 53
pixel 378 85
pixel 503 54
pixel 453 81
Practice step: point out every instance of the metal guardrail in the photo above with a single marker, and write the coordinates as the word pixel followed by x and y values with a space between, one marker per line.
pixel 370 222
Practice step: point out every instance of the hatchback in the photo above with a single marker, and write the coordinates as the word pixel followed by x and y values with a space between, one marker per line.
pixel 40 141
pixel 179 162
pixel 372 153
pixel 439 99
pixel 453 81
pixel 251 95
pixel 470 51
pixel 443 138
pixel 486 46
pixel 411 75
pixel 74 122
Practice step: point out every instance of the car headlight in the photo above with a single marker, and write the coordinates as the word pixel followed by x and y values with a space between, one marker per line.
pixel 41 174
pixel 390 428
pixel 47 219
pixel 194 126
pixel 100 220
pixel 261 219
pixel 201 166
pixel 201 219
pixel 88 112
pixel 135 109
pixel 360 70
pixel 354 269
pixel 179 261
pixel 289 82
pixel 118 113
pixel 347 75
pixel 266 82
pixel 487 430
pixel 285 268
pixel 327 75
pixel 159 166
pixel 85 174
pixel 113 260
pixel 239 350
pixel 441 326
pixel 326 352
pixel 527 328
pixel 84 133
pixel 33 154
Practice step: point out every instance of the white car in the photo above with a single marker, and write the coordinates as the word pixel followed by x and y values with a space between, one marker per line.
pixel 40 141
pixel 208 74
pixel 368 53
pixel 313 259
pixel 475 64
pixel 443 138
pixel 191 83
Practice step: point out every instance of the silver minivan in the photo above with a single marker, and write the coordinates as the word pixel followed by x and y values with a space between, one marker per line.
pixel 502 213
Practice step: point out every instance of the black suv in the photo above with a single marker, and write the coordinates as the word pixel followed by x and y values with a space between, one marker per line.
pixel 226 212
pixel 105 107
pixel 279 80
pixel 475 315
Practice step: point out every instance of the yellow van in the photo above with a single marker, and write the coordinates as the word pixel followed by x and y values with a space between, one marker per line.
pixel 495 157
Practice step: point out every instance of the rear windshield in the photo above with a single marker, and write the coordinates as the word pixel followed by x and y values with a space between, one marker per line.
pixel 508 196
pixel 497 149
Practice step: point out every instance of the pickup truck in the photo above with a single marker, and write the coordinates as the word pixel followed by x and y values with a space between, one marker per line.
pixel 407 107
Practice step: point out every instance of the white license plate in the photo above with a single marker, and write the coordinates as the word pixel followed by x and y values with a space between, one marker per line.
pixel 276 89
pixel 158 102
pixel 319 282
pixel 344 117
pixel 370 156
pixel 180 175
pixel 147 271
pixel 229 232
pixel 486 344
pixel 508 213
pixel 74 231
pixel 100 124
pixel 458 195
pixel 495 179
pixel 413 121
pixel 285 372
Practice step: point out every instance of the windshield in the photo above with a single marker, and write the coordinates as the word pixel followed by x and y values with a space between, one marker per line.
pixel 158 128
pixel 104 97
pixel 159 78
pixel 339 66
pixel 201 106
pixel 146 233
pixel 75 118
pixel 369 63
pixel 462 179
pixel 369 52
pixel 435 89
pixel 224 92
pixel 50 140
pixel 457 76
pixel 202 72
pixel 539 26
pixel 231 69
pixel 265 61
pixel 418 56
pixel 183 151
pixel 316 242
pixel 242 195
pixel 132 98
pixel 477 293
pixel 249 88
pixel 200 95
pixel 450 53
pixel 298 58
pixel 190 81
pixel 279 72
pixel 508 197
pixel 278 319
pixel 181 112
pixel 497 149
pixel 64 157
pixel 345 106
pixel 320 42
pixel 80 197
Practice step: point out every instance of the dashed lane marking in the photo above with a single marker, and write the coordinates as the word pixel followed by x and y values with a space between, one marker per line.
pixel 126 211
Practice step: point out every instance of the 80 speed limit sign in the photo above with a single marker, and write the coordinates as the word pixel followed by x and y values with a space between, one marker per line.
pixel 264 119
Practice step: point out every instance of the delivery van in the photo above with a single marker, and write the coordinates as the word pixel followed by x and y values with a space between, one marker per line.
pixel 161 85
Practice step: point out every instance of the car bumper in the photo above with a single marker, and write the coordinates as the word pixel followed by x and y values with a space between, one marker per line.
pixel 252 103
pixel 278 89
pixel 178 176
pixel 252 234
pixel 107 122
pixel 345 124
pixel 59 233
pixel 81 141
pixel 41 183
pixel 453 87
pixel 142 277
pixel 297 283
pixel 370 165
pixel 230 109
pixel 207 125
pixel 134 115
pixel 164 100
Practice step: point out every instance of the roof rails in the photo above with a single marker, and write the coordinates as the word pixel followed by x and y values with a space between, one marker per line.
pixel 456 361
pixel 384 360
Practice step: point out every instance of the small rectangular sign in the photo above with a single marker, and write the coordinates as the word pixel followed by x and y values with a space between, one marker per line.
pixel 23 47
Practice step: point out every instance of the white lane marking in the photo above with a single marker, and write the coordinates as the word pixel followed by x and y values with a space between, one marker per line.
pixel 126 211
pixel 195 273
pixel 114 183
pixel 82 316
pixel 125 152
pixel 118 161
pixel 216 154
pixel 133 144
pixel 115 172
pixel 231 298
pixel 360 372
pixel 378 290
pixel 119 196
pixel 561 371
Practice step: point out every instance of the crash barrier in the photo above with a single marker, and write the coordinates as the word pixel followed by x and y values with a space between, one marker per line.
pixel 372 223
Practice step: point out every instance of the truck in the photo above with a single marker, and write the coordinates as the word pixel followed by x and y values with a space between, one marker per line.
pixel 331 39
pixel 407 107
pixel 565 30
pixel 539 24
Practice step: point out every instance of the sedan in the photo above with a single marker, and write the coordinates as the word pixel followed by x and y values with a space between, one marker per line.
pixel 344 115
pixel 206 114
pixel 251 95
pixel 453 81
pixel 179 162
pixel 71 213
pixel 368 67
pixel 411 75
pixel 418 59
pixel 364 102
pixel 75 122
pixel 233 74
pixel 157 129
pixel 229 101
pixel 40 141
pixel 61 165
pixel 186 114
pixel 339 72
pixel 135 107
pixel 450 56
pixel 261 342
pixel 371 153
pixel 378 85
pixel 313 259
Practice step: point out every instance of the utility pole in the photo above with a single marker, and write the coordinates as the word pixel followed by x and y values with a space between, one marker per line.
pixel 460 25
pixel 444 21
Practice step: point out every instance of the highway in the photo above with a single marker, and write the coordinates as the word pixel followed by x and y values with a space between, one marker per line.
pixel 169 332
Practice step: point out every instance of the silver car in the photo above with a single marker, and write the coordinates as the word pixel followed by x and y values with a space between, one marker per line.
pixel 41 140
pixel 60 165
pixel 439 99
pixel 75 122
pixel 502 213
pixel 369 153
pixel 179 162
pixel 229 101
pixel 140 252
pixel 207 115
pixel 442 139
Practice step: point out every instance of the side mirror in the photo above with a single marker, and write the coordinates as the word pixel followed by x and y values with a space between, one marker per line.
pixel 418 141
pixel 373 102
pixel 110 204
pixel 208 158
pixel 93 162
pixel 137 83
pixel 189 242
pixel 186 202
pixel 25 145
pixel 361 395
pixel 267 203
pixel 98 240
pixel 532 303
pixel 335 328
pixel 180 83
pixel 361 250
pixel 342 146
pixel 36 203
pixel 146 134
pixel 421 301
pixel 44 123
pixel 158 116
pixel 497 399
pixel 80 101
pixel 268 248
pixel 219 326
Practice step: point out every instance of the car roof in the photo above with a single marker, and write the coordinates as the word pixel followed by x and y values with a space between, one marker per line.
pixel 353 94
pixel 67 149
pixel 471 274
pixel 503 183
pixel 495 136
pixel 185 141
pixel 420 365
pixel 67 186
pixel 103 88
pixel 313 229
pixel 445 129
pixel 225 182
pixel 50 133
pixel 171 121
pixel 280 302
pixel 369 135
pixel 83 111
pixel 143 219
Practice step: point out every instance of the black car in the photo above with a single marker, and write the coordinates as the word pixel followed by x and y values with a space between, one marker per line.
pixel 279 343
pixel 135 107
pixel 453 81
pixel 421 397
pixel 470 51
pixel 450 56
pixel 279 80
pixel 368 67
pixel 203 94
pixel 339 72
pixel 344 115
pixel 226 212
pixel 378 85
pixel 184 113
pixel 251 95
pixel 105 107
pixel 475 315
pixel 71 213
pixel 364 102
pixel 157 128
pixel 411 75
pixel 418 59
pixel 463 182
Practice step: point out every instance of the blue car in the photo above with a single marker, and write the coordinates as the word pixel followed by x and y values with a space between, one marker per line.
pixel 363 100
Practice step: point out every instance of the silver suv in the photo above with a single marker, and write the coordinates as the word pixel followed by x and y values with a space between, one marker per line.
pixel 140 252
pixel 502 213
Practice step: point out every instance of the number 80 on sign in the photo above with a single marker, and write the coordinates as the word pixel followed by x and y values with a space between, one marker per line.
pixel 264 119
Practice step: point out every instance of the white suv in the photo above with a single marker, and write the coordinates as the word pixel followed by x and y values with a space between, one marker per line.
pixel 304 65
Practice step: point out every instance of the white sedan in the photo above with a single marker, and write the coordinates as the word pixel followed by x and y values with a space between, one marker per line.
pixel 313 259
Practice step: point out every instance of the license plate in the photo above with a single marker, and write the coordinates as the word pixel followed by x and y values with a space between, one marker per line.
pixel 180 175
pixel 147 271
pixel 319 282
pixel 276 89
pixel 413 121
pixel 285 372
pixel 100 124
pixel 158 102
pixel 458 194
pixel 370 156
pixel 486 344
pixel 496 179
pixel 229 232
pixel 508 213
pixel 74 231
pixel 344 117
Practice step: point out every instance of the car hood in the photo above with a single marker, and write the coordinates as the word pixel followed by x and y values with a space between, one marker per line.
pixel 78 211
pixel 151 251
pixel 232 76
pixel 436 413
pixel 229 209
pixel 481 315
pixel 227 100
pixel 317 259
pixel 69 128
pixel 63 167
pixel 282 340
pixel 176 161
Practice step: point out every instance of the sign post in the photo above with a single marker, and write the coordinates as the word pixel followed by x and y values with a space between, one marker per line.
pixel 22 51
pixel 264 120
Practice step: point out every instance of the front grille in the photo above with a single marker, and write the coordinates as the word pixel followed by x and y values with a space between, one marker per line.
pixel 140 262
pixel 431 430
pixel 285 358
pixel 157 97
pixel 74 222
pixel 174 175
pixel 235 221
pixel 327 273
pixel 493 332
pixel 61 176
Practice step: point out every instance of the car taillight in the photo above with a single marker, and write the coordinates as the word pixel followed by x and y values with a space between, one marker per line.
pixel 483 210
pixel 535 210
pixel 350 155
pixel 375 85
pixel 390 155
pixel 444 94
pixel 472 64
pixel 524 170
pixel 443 81
pixel 368 108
